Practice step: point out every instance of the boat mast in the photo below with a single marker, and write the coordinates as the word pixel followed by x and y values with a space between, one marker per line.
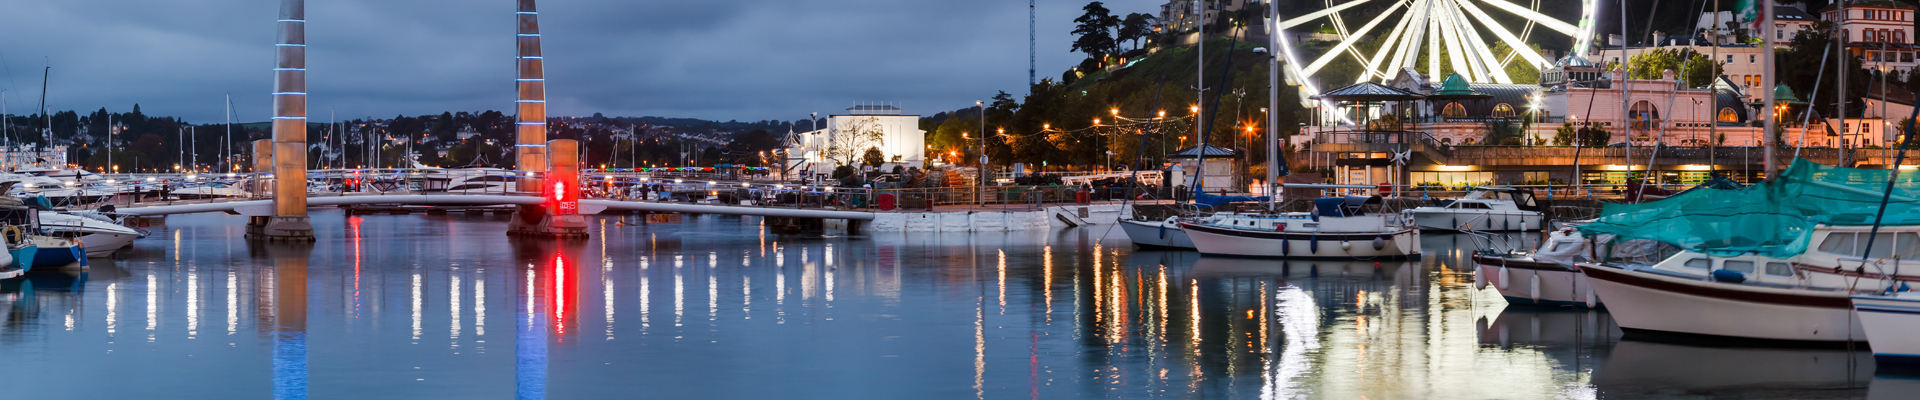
pixel 226 146
pixel 1200 92
pixel 1274 166
pixel 1767 81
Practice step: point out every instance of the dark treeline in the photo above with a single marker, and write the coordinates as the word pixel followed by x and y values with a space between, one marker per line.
pixel 142 143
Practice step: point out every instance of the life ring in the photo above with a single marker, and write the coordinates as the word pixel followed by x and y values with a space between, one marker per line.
pixel 13 235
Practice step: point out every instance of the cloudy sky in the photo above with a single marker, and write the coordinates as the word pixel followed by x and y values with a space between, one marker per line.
pixel 739 59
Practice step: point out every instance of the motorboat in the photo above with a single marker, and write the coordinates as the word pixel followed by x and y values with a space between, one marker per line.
pixel 54 253
pixel 100 235
pixel 1890 321
pixel 210 190
pixel 1491 208
pixel 1546 277
pixel 1165 234
pixel 16 225
pixel 470 180
pixel 1338 229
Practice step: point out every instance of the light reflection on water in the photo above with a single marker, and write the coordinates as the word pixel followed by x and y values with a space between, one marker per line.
pixel 1050 314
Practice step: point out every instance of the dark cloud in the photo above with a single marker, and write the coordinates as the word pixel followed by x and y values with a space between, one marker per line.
pixel 743 59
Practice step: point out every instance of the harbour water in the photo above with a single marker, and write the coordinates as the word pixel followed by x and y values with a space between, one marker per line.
pixel 423 307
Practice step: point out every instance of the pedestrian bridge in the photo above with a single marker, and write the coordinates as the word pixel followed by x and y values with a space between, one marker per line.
pixel 587 206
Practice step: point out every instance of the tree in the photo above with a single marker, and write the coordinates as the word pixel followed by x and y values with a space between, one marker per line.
pixel 1095 31
pixel 1698 68
pixel 850 141
pixel 1592 136
pixel 1137 26
pixel 1564 135
pixel 874 157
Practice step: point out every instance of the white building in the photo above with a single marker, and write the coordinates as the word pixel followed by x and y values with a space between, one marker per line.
pixel 820 151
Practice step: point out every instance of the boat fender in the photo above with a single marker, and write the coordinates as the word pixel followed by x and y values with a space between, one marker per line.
pixel 1313 245
pixel 1346 245
pixel 1728 276
pixel 1503 278
pixel 1285 247
pixel 1592 301
pixel 1534 293
pixel 1480 278
pixel 1379 243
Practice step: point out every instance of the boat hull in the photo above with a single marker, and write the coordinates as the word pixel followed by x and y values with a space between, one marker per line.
pixel 1890 324
pixel 54 253
pixel 1660 303
pixel 1156 234
pixel 1558 285
pixel 103 243
pixel 1402 244
pixel 1485 221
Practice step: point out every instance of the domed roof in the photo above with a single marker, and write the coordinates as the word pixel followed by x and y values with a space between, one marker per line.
pixel 1572 61
pixel 1455 86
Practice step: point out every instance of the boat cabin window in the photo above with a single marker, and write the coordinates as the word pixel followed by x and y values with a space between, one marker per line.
pixel 1471 205
pixel 1779 269
pixel 1886 245
pixel 1699 263
pixel 1840 243
pixel 1745 267
pixel 1909 245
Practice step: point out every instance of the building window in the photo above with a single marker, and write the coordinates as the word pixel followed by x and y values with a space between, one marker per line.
pixel 1727 115
pixel 1644 115
pixel 1753 59
pixel 1779 33
pixel 1502 110
pixel 1729 58
pixel 1900 36
pixel 1906 56
pixel 1454 110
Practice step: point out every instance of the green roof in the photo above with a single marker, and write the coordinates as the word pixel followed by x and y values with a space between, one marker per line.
pixel 1455 85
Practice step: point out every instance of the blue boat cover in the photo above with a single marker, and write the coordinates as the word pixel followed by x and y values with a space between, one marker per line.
pixel 1210 200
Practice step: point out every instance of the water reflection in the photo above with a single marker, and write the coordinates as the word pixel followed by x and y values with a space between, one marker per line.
pixel 1055 314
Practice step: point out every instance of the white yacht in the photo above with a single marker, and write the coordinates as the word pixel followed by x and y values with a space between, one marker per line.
pixel 1890 321
pixel 210 190
pixel 1339 229
pixel 1491 208
pixel 1546 277
pixel 1800 298
pixel 97 234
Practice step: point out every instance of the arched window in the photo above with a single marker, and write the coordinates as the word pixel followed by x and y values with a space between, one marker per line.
pixel 1644 115
pixel 1502 110
pixel 1446 141
pixel 1454 110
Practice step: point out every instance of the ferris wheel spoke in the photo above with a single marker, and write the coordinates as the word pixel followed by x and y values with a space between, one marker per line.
pixel 1316 15
pixel 1519 46
pixel 1483 54
pixel 1535 16
pixel 1386 46
pixel 1355 37
pixel 1409 50
pixel 1456 55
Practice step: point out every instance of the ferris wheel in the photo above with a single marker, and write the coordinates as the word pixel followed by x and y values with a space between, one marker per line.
pixel 1435 27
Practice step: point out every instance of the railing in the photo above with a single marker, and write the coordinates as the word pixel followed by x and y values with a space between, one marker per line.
pixel 1371 136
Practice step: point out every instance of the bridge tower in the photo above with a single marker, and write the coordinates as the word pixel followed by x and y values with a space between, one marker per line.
pixel 560 215
pixel 289 156
pixel 531 124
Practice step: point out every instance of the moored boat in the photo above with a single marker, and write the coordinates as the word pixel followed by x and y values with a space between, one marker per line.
pixel 1892 325
pixel 1546 277
pixel 1339 229
pixel 1492 208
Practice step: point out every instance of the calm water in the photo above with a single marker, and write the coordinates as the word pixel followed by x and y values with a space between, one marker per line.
pixel 417 307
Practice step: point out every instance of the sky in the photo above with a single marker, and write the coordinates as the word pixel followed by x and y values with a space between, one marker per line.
pixel 744 60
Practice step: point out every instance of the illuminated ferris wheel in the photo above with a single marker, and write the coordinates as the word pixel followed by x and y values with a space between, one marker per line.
pixel 1452 27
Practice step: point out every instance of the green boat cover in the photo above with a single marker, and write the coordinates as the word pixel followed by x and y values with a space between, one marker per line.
pixel 1773 218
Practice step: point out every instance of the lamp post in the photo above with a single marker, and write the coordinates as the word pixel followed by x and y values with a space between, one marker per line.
pixel 981 186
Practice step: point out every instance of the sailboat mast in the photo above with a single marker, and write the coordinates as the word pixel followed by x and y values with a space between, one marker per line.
pixel 1626 90
pixel 1273 103
pixel 1200 92
pixel 46 122
pixel 1767 81
pixel 226 146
